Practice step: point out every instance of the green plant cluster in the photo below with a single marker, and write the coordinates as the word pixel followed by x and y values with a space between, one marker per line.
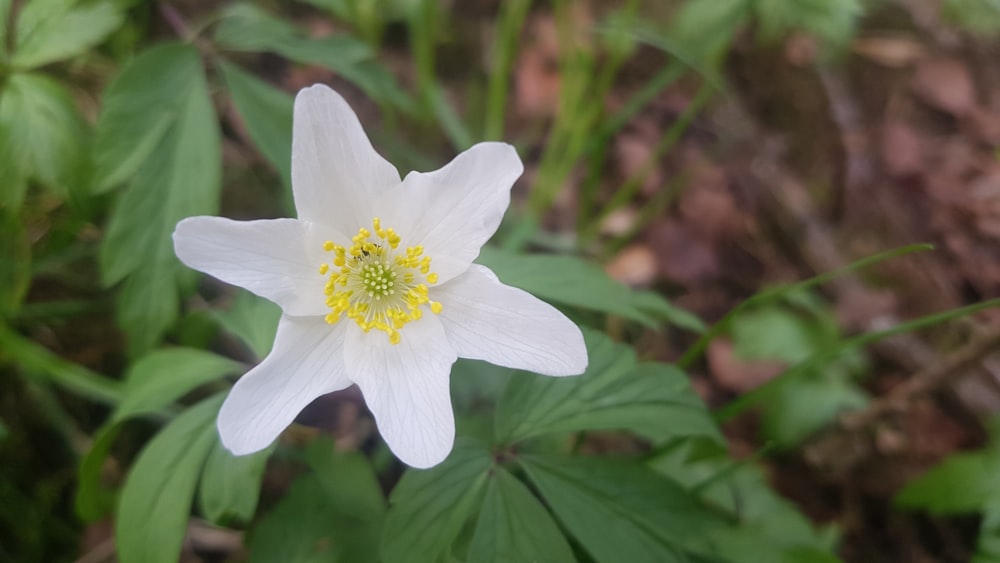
pixel 92 184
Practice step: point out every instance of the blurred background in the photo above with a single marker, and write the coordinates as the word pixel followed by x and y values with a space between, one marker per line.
pixel 706 150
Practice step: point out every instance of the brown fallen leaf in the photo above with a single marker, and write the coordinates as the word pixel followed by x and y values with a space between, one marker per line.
pixel 634 266
pixel 945 84
pixel 892 52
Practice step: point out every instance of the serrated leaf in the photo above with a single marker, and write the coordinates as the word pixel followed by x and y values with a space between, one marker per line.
pixel 177 175
pixel 621 510
pixel 153 382
pixel 254 320
pixel 139 109
pixel 246 28
pixel 572 281
pixel 230 485
pixel 50 30
pixel 42 138
pixel 332 515
pixel 653 400
pixel 267 113
pixel 965 482
pixel 156 499
pixel 514 526
pixel 430 506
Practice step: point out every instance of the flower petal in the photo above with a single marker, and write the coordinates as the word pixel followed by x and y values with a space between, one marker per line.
pixel 487 320
pixel 277 259
pixel 307 361
pixel 336 173
pixel 453 211
pixel 406 386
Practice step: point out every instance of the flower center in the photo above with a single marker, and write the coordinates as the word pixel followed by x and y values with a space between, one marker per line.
pixel 375 285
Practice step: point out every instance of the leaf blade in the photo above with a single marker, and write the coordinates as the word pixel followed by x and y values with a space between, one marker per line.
pixel 156 499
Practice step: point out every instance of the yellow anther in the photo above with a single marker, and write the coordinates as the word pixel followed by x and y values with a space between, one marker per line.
pixel 436 307
pixel 372 285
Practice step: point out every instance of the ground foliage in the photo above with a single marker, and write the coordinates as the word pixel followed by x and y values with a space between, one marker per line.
pixel 688 164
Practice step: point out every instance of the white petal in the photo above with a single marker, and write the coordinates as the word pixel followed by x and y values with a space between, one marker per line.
pixel 487 320
pixel 406 386
pixel 336 173
pixel 277 259
pixel 307 361
pixel 453 211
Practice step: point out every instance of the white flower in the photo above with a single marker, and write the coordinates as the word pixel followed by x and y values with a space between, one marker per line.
pixel 377 286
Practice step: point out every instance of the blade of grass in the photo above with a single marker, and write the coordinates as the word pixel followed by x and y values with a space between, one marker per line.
pixel 753 397
pixel 424 20
pixel 513 13
pixel 698 348
pixel 631 187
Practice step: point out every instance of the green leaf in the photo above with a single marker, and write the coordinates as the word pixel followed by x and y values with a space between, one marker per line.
pixel 175 159
pixel 830 20
pixel 93 500
pixel 50 30
pixel 5 6
pixel 332 515
pixel 267 113
pixel 254 320
pixel 765 522
pixel 154 382
pixel 978 16
pixel 246 28
pixel 572 281
pixel 775 333
pixel 961 483
pixel 514 526
pixel 140 108
pixel 156 499
pixel 653 400
pixel 988 544
pixel 801 407
pixel 38 362
pixel 42 138
pixel 621 510
pixel 230 485
pixel 349 481
pixel 15 268
pixel 702 31
pixel 429 507
pixel 163 376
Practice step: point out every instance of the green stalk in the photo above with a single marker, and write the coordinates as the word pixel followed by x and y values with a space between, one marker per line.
pixel 753 397
pixel 698 348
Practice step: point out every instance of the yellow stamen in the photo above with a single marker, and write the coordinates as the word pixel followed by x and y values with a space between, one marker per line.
pixel 376 287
